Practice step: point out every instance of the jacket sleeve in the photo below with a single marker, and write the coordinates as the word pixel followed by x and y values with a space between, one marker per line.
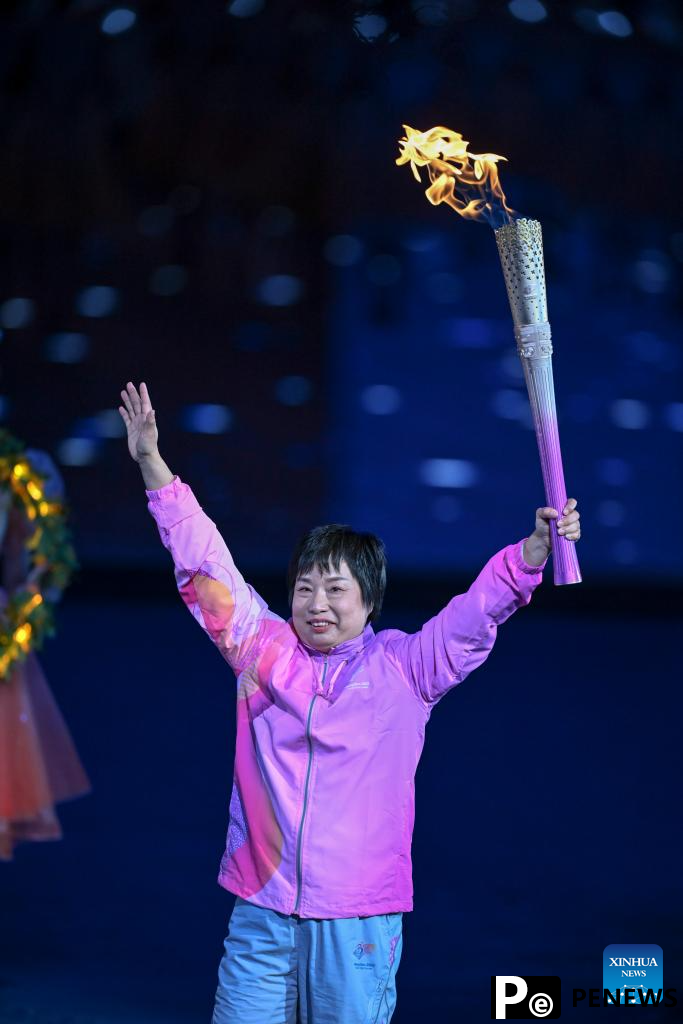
pixel 460 637
pixel 230 611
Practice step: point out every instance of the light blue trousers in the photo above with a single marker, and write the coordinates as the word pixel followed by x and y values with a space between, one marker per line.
pixel 282 969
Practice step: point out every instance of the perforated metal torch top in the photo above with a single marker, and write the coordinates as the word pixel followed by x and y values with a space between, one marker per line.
pixel 520 247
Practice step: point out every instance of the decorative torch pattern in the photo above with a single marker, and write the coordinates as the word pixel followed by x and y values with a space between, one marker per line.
pixel 520 246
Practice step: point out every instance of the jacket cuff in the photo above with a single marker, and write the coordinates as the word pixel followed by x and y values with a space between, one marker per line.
pixel 520 563
pixel 172 503
pixel 162 494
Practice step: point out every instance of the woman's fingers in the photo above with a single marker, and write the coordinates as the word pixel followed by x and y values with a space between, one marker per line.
pixel 128 404
pixel 136 404
pixel 124 416
pixel 568 525
pixel 570 517
pixel 134 397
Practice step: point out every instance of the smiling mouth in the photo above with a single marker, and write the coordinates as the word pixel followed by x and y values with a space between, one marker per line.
pixel 319 623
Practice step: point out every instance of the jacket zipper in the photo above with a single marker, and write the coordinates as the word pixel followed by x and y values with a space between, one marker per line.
pixel 308 775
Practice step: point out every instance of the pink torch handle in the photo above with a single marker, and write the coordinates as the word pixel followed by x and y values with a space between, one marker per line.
pixel 535 351
pixel 520 247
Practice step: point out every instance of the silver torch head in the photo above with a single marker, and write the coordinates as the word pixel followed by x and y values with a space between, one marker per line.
pixel 520 247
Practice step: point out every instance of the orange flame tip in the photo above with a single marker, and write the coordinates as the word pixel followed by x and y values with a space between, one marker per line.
pixel 454 172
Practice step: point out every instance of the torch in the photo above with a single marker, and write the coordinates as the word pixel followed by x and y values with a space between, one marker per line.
pixel 469 184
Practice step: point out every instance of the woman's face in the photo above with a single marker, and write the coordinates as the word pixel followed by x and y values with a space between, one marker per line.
pixel 333 599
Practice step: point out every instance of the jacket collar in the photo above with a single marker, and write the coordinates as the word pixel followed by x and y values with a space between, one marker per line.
pixel 345 650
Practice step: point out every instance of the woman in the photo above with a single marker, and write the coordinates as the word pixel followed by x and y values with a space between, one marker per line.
pixel 330 728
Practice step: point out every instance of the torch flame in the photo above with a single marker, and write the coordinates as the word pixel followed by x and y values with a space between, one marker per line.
pixel 455 174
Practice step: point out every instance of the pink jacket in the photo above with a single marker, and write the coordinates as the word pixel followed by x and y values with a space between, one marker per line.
pixel 323 797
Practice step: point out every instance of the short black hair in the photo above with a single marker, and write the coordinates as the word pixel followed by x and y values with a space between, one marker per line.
pixel 327 546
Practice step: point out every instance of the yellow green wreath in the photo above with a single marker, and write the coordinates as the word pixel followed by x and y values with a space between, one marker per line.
pixel 28 617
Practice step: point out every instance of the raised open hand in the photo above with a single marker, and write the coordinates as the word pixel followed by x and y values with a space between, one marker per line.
pixel 138 415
